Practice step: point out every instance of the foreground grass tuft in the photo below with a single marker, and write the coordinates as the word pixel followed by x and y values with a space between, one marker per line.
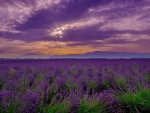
pixel 91 106
pixel 135 101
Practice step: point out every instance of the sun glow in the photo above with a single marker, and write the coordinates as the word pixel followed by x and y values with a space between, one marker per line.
pixel 57 32
pixel 60 32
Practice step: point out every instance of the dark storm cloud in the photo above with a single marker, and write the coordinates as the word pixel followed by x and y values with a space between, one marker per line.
pixel 145 16
pixel 93 33
pixel 28 36
pixel 48 18
pixel 82 34
pixel 43 18
pixel 100 43
pixel 122 9
pixel 57 15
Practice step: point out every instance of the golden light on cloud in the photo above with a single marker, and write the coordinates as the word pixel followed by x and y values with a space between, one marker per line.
pixel 48 48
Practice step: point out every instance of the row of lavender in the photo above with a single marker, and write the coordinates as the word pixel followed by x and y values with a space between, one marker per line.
pixel 74 86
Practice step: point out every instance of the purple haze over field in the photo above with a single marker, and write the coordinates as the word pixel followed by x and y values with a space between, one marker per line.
pixel 43 28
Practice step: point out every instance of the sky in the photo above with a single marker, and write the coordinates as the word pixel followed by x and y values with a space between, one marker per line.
pixel 59 27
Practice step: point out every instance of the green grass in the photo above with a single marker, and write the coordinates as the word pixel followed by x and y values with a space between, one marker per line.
pixel 1 85
pixel 74 71
pixel 57 108
pixel 92 85
pixel 61 107
pixel 136 100
pixel 74 87
pixel 106 83
pixel 120 81
pixel 11 108
pixel 91 106
pixel 40 77
pixel 147 77
pixel 110 70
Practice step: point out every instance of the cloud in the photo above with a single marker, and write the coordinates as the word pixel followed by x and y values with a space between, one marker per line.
pixel 16 48
pixel 11 47
pixel 105 24
pixel 56 15
pixel 32 22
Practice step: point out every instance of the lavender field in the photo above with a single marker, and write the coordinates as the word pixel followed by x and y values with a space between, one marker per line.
pixel 75 86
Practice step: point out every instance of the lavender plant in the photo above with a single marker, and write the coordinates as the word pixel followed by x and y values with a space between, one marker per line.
pixel 75 86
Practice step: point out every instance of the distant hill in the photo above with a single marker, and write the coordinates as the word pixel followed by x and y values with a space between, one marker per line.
pixel 31 56
pixel 105 55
